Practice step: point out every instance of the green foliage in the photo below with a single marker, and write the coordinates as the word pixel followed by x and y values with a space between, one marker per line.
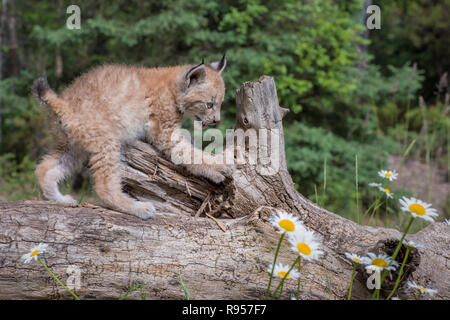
pixel 414 31
pixel 19 114
pixel 343 101
pixel 318 52
pixel 17 178
pixel 307 148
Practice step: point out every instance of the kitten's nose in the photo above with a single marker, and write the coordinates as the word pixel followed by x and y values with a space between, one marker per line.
pixel 216 119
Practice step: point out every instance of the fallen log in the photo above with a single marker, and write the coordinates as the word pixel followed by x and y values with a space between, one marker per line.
pixel 216 237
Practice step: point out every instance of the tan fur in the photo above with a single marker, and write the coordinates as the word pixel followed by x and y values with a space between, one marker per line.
pixel 114 104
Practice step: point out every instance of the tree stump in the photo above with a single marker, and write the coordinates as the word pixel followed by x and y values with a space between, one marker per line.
pixel 216 237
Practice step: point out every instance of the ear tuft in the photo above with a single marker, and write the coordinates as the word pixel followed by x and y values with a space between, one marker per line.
pixel 219 66
pixel 195 75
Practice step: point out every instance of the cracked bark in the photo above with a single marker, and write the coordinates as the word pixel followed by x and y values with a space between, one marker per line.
pixel 113 250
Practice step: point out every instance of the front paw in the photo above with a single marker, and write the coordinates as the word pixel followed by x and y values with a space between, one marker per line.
pixel 225 169
pixel 143 210
pixel 67 199
pixel 215 173
pixel 220 172
pixel 215 177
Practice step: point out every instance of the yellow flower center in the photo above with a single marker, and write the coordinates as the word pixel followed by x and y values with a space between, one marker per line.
pixel 357 260
pixel 287 225
pixel 388 174
pixel 304 248
pixel 282 274
pixel 417 209
pixel 35 252
pixel 422 288
pixel 379 262
pixel 387 191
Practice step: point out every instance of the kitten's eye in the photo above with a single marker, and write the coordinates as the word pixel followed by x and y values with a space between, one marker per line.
pixel 209 105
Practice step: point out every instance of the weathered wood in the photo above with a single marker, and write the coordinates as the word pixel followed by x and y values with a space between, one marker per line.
pixel 113 249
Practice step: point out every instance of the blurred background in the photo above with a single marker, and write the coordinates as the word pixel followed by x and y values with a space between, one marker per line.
pixel 361 100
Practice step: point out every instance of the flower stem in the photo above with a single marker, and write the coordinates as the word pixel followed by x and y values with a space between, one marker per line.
pixel 369 208
pixel 285 276
pixel 298 280
pixel 56 278
pixel 281 291
pixel 351 280
pixel 356 190
pixel 399 273
pixel 397 249
pixel 386 212
pixel 273 265
pixel 378 204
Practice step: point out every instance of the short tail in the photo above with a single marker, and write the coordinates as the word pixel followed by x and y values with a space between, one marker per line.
pixel 44 94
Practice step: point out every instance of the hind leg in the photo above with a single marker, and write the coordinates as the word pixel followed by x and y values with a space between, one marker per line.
pixel 53 169
pixel 105 166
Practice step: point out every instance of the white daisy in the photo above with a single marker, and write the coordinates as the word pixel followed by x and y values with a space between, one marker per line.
pixel 395 298
pixel 286 222
pixel 387 192
pixel 281 270
pixel 379 262
pixel 380 187
pixel 447 222
pixel 34 252
pixel 418 208
pixel 306 244
pixel 354 257
pixel 414 285
pixel 388 174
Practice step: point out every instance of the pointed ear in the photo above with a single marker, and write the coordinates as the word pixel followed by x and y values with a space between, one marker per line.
pixel 219 65
pixel 195 75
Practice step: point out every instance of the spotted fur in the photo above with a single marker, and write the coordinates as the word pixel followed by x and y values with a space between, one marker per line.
pixel 115 104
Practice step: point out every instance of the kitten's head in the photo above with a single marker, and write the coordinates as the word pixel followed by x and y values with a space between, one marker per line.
pixel 201 91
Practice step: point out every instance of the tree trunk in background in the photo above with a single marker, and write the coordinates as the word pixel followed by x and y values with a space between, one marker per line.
pixel 223 255
pixel 2 60
pixel 365 34
pixel 362 48
pixel 58 56
pixel 13 61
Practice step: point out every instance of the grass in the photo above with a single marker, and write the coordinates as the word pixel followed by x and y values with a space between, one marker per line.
pixel 358 219
pixel 187 296
pixel 135 287
pixel 324 177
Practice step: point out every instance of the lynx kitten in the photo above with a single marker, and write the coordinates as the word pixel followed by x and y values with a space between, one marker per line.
pixel 112 105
